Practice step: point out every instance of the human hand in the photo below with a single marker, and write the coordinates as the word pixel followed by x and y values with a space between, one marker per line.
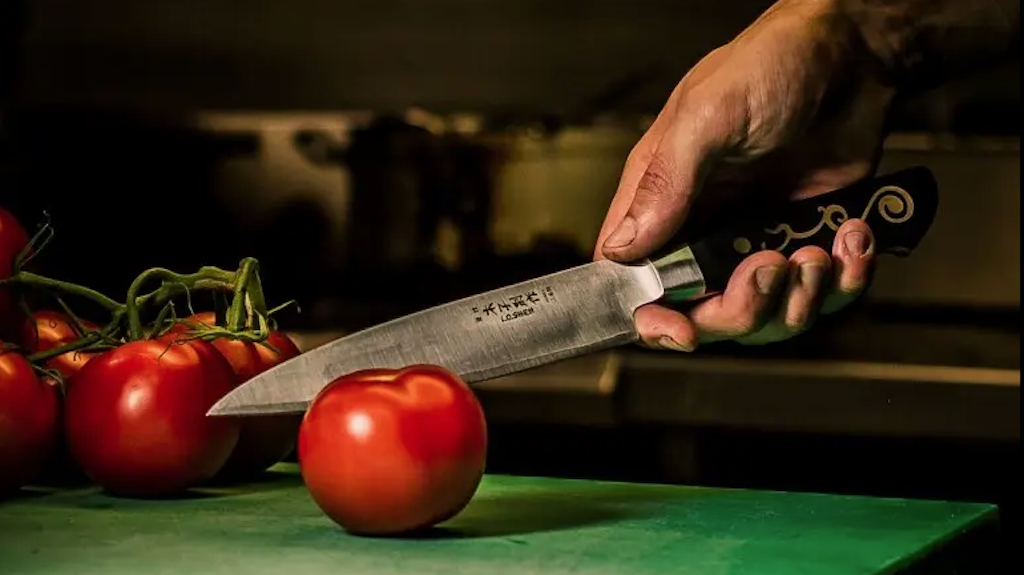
pixel 792 107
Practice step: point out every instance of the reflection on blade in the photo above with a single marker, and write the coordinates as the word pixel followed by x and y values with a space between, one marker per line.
pixel 489 335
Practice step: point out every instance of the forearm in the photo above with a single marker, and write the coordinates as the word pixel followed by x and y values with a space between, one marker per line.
pixel 919 42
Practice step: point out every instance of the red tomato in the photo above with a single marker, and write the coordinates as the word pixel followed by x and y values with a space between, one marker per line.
pixel 264 440
pixel 393 451
pixel 48 329
pixel 13 239
pixel 29 421
pixel 136 417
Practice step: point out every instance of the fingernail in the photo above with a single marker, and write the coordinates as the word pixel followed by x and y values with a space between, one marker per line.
pixel 669 343
pixel 623 235
pixel 811 275
pixel 767 278
pixel 857 244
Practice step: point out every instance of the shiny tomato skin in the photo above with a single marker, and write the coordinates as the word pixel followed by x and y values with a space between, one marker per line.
pixel 30 421
pixel 13 239
pixel 136 417
pixel 386 452
pixel 263 440
pixel 47 329
pixel 248 359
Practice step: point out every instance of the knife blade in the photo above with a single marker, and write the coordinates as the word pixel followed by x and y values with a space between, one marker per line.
pixel 589 307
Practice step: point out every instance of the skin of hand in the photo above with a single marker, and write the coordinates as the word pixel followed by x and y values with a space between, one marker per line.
pixel 793 106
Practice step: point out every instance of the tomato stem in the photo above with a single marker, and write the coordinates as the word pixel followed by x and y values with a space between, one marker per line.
pixel 173 283
pixel 76 323
pixel 35 245
pixel 53 374
pixel 92 341
pixel 25 278
pixel 248 301
pixel 236 314
pixel 246 318
pixel 281 307
pixel 166 312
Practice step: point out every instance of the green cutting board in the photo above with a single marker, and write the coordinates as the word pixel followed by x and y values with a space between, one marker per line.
pixel 514 526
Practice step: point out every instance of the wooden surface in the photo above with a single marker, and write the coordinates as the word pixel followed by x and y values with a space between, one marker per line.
pixel 514 526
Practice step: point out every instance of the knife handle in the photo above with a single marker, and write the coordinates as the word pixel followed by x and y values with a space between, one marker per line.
pixel 899 207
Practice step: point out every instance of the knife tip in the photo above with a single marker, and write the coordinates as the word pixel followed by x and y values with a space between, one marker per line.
pixel 226 407
pixel 219 409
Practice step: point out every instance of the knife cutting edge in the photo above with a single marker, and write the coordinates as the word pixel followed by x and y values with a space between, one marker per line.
pixel 589 307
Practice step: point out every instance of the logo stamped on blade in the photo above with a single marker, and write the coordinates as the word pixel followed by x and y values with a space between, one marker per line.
pixel 513 307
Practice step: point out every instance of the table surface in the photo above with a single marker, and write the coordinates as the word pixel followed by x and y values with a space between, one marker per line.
pixel 514 526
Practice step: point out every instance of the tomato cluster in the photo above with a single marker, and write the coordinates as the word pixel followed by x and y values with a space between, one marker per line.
pixel 134 417
pixel 130 415
pixel 125 403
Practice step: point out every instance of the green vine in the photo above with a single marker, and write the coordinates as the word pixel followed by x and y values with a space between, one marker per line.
pixel 246 317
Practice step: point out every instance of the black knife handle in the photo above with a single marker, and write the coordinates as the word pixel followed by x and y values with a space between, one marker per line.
pixel 899 207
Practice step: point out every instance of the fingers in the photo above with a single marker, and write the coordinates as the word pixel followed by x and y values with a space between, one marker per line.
pixel 816 282
pixel 748 302
pixel 693 137
pixel 853 256
pixel 808 280
pixel 770 298
pixel 663 328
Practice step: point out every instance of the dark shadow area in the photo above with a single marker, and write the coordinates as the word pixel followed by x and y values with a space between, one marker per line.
pixel 975 553
pixel 978 471
pixel 915 468
pixel 186 495
pixel 124 192
pixel 269 480
pixel 26 493
pixel 567 451
pixel 62 472
pixel 533 511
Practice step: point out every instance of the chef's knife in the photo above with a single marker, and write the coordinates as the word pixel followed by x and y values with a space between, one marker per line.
pixel 589 307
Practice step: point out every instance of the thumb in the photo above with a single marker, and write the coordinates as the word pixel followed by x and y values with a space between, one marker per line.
pixel 665 192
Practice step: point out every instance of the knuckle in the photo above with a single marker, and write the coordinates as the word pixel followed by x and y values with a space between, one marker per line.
pixel 698 108
pixel 746 322
pixel 657 179
pixel 709 107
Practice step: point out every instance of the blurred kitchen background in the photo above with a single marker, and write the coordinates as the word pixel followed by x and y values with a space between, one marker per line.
pixel 380 157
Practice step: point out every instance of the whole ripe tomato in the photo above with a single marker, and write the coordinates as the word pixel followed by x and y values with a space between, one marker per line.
pixel 262 440
pixel 13 239
pixel 136 417
pixel 47 329
pixel 29 421
pixel 386 452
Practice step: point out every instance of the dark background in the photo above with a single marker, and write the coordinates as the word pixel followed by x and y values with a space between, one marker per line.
pixel 183 133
